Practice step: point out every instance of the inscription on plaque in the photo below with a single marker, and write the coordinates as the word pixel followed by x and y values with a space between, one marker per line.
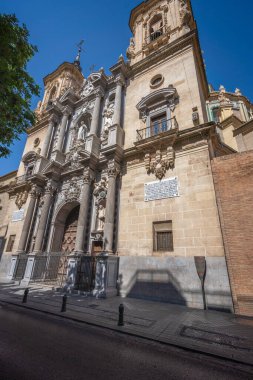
pixel 18 215
pixel 167 188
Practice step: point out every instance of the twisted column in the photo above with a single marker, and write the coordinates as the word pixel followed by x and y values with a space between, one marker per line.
pixel 34 194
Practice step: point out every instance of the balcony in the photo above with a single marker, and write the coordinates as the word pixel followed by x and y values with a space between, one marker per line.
pixel 23 178
pixel 154 35
pixel 158 129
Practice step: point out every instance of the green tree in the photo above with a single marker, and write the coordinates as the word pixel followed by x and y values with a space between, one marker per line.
pixel 16 86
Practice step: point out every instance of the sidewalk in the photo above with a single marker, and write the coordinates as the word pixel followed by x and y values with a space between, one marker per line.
pixel 216 333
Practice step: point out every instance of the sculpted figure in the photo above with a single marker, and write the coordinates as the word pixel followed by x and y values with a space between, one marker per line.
pixel 82 131
pixel 101 218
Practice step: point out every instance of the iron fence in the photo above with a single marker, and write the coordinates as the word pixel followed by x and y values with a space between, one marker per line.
pixel 157 128
pixel 20 267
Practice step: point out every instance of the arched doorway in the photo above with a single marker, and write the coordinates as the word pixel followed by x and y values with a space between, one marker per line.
pixel 65 227
pixel 69 235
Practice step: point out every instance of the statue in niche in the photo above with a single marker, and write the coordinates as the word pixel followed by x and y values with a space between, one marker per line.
pixel 100 218
pixel 185 14
pixel 108 120
pixel 82 131
pixel 131 49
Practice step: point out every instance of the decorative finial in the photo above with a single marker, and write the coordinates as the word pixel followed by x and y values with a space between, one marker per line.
pixel 80 49
pixel 238 92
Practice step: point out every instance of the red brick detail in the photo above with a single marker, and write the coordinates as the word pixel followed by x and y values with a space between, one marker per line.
pixel 233 181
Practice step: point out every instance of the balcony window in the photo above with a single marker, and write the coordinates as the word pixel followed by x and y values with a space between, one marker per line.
pixel 156 27
pixel 158 125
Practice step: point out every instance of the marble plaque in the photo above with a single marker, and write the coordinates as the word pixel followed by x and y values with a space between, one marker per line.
pixel 18 215
pixel 167 188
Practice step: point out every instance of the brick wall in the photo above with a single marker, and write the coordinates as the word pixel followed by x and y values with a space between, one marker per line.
pixel 233 180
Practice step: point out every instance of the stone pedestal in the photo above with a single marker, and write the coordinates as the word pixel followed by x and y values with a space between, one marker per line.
pixel 116 135
pixel 92 145
pixel 11 273
pixel 71 273
pixel 28 270
pixel 106 276
pixel 58 156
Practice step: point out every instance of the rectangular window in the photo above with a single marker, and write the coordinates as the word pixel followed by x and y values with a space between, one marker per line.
pixel 10 243
pixel 163 236
pixel 158 124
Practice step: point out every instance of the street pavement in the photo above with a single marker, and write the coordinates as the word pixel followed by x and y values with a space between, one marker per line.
pixel 215 333
pixel 36 346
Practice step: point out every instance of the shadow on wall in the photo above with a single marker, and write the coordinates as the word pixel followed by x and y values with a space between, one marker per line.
pixel 153 285
pixel 161 286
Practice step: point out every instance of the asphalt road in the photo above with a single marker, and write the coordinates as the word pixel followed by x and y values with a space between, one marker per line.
pixel 34 346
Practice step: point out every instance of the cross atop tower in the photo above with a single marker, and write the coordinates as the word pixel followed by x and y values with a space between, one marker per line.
pixel 80 49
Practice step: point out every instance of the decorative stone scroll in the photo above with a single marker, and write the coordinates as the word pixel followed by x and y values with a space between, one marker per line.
pixel 167 188
pixel 72 193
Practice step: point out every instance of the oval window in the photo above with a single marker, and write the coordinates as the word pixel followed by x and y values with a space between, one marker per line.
pixel 156 81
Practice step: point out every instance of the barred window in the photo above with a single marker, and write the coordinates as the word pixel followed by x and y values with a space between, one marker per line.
pixel 10 243
pixel 163 236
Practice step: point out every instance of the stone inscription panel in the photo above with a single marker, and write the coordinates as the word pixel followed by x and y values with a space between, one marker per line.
pixel 167 188
pixel 18 215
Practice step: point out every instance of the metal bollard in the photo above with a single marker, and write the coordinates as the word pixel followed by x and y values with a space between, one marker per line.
pixel 25 295
pixel 64 303
pixel 121 315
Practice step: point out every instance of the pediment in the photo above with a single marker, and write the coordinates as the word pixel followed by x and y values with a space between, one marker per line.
pixel 156 96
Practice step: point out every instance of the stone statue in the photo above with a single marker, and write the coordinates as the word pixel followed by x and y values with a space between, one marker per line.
pixel 100 218
pixel 82 131
pixel 131 49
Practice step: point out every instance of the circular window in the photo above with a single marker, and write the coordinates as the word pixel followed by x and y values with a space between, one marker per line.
pixel 36 142
pixel 156 81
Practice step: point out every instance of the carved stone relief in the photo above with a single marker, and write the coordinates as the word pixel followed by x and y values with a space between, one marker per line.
pixel 100 194
pixel 87 89
pixel 160 163
pixel 73 190
pixel 108 121
pixel 185 14
pixel 130 53
pixel 21 199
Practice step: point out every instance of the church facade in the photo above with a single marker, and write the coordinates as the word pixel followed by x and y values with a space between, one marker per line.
pixel 115 191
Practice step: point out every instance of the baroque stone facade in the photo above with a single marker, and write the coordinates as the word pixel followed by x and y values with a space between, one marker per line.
pixel 115 183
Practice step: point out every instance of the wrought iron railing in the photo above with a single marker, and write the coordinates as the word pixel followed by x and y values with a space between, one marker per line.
pixel 154 35
pixel 157 128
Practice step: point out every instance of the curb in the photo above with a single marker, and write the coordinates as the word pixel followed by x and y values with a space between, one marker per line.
pixel 224 357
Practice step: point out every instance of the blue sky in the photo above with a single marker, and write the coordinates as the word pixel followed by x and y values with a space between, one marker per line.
pixel 56 26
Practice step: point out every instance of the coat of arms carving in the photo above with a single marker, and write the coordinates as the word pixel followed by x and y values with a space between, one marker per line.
pixel 159 164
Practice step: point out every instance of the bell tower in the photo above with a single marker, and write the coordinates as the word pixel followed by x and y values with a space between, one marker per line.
pixel 154 24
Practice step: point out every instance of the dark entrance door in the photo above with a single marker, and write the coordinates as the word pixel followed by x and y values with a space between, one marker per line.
pixel 69 237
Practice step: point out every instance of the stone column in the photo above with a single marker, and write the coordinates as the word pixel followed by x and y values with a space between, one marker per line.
pixel 118 101
pixel 50 189
pixel 66 113
pixel 96 113
pixel 83 213
pixel 45 147
pixel 113 171
pixel 28 219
